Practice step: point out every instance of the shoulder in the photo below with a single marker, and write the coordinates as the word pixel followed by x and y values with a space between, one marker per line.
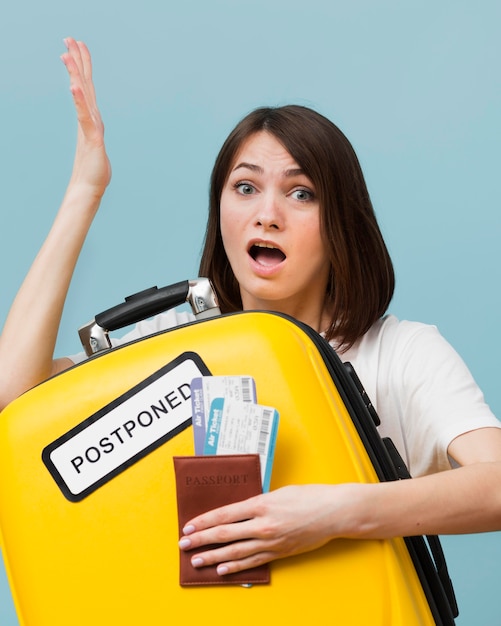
pixel 423 391
pixel 390 331
pixel 401 356
pixel 391 341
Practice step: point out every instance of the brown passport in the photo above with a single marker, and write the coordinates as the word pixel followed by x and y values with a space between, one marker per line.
pixel 204 483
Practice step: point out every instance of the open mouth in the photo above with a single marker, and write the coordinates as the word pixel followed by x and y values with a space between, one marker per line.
pixel 266 254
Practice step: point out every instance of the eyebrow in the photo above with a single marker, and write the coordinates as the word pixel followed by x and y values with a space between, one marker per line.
pixel 297 171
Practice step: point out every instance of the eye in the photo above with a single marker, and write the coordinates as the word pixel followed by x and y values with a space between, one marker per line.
pixel 246 189
pixel 303 195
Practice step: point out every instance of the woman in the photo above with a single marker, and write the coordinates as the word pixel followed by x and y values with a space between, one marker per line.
pixel 291 229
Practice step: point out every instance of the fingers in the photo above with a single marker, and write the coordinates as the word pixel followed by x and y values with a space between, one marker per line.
pixel 78 63
pixel 73 62
pixel 229 514
pixel 224 533
pixel 236 527
pixel 80 54
pixel 91 164
pixel 247 539
pixel 235 558
pixel 270 526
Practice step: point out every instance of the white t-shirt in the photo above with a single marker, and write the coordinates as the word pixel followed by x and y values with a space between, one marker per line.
pixel 420 387
pixel 423 392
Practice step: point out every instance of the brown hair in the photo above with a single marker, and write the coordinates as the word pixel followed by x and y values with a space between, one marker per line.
pixel 362 280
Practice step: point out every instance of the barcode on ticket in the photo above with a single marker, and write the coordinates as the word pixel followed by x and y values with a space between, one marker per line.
pixel 236 427
pixel 205 389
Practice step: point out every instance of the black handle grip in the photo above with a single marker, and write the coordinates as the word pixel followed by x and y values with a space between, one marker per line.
pixel 142 305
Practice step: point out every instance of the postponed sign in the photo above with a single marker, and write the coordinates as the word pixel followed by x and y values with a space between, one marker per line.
pixel 122 432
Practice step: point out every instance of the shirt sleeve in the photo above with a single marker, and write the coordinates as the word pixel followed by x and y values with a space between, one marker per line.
pixel 438 397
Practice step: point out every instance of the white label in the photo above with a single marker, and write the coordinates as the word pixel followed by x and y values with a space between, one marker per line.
pixel 125 430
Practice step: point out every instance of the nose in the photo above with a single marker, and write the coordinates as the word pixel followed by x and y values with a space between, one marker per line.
pixel 269 214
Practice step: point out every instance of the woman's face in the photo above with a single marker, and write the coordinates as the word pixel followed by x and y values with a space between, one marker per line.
pixel 270 225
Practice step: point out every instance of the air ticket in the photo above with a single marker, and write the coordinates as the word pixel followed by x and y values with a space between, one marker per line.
pixel 205 388
pixel 236 427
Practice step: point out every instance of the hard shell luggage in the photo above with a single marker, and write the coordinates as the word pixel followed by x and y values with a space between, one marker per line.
pixel 104 550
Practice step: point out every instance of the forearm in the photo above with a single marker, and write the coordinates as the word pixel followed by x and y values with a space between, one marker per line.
pixel 296 519
pixel 29 336
pixel 464 500
pixel 30 332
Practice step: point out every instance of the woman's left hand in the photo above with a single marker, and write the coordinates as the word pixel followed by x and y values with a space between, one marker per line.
pixel 270 526
pixel 297 519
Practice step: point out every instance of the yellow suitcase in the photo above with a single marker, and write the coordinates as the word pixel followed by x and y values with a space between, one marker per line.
pixel 104 551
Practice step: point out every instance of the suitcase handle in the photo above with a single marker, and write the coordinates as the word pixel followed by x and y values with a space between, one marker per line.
pixel 198 293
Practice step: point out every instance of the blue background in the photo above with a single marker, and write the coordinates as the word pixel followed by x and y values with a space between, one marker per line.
pixel 414 85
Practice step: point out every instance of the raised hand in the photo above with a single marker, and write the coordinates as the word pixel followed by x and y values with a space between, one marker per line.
pixel 91 165
pixel 30 332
